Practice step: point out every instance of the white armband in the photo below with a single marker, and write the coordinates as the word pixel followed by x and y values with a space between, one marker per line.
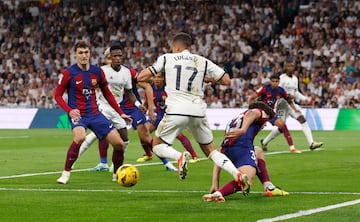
pixel 137 104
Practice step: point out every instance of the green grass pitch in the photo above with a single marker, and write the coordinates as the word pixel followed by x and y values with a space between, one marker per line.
pixel 323 184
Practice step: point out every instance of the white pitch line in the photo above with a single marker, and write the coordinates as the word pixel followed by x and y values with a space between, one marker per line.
pixel 141 164
pixel 311 211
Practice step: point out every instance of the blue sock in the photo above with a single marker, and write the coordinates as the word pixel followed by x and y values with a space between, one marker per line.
pixel 164 160
pixel 103 160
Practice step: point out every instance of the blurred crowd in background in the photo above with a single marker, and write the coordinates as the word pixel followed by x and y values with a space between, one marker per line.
pixel 251 39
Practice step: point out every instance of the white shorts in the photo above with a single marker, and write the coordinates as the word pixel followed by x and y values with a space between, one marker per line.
pixel 112 115
pixel 172 125
pixel 284 110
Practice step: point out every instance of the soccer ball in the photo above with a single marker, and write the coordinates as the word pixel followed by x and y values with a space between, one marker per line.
pixel 127 175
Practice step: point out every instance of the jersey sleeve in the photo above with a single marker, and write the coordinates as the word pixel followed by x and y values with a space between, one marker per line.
pixel 60 89
pixel 159 65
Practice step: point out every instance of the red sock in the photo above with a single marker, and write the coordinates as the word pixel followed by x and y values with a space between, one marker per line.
pixel 103 148
pixel 147 147
pixel 187 144
pixel 72 155
pixel 229 188
pixel 262 173
pixel 117 158
pixel 287 135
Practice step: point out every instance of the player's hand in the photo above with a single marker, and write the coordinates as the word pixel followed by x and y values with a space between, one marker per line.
pixel 142 108
pixel 127 118
pixel 214 188
pixel 152 116
pixel 75 114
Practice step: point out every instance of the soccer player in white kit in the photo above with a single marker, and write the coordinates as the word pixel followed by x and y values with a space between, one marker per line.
pixel 289 82
pixel 185 74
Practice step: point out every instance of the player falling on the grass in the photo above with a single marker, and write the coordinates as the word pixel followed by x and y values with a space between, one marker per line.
pixel 270 94
pixel 289 82
pixel 238 146
pixel 159 96
pixel 139 118
pixel 185 73
pixel 80 81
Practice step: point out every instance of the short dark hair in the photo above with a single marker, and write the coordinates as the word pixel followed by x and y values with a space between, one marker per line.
pixel 115 47
pixel 82 44
pixel 267 109
pixel 184 38
pixel 275 76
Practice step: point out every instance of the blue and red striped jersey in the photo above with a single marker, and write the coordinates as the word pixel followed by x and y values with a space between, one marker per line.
pixel 269 95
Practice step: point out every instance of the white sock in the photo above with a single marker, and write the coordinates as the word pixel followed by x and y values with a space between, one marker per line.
pixel 225 163
pixel 268 185
pixel 164 150
pixel 271 135
pixel 89 139
pixel 307 131
pixel 126 143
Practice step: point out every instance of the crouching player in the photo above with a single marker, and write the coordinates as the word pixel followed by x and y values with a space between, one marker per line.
pixel 238 146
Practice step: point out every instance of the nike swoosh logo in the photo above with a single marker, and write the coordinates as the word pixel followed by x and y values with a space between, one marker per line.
pixel 139 121
pixel 78 82
pixel 110 126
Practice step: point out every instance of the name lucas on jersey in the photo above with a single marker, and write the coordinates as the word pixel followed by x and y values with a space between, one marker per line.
pixel 184 57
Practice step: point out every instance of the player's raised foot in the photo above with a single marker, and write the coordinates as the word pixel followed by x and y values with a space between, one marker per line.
pixel 144 159
pixel 114 177
pixel 243 183
pixel 263 146
pixel 275 192
pixel 194 160
pixel 183 164
pixel 294 150
pixel 214 197
pixel 100 167
pixel 64 179
pixel 315 145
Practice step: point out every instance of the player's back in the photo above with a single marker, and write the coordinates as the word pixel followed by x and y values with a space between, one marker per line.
pixel 184 76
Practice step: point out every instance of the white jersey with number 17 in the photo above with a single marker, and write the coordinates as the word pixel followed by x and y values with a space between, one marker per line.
pixel 184 77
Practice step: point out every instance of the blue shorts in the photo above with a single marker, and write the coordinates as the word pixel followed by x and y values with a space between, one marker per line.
pixel 241 156
pixel 137 116
pixel 98 123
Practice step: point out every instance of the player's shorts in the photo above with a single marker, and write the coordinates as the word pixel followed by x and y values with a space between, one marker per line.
pixel 137 116
pixel 284 110
pixel 112 115
pixel 172 125
pixel 98 123
pixel 241 156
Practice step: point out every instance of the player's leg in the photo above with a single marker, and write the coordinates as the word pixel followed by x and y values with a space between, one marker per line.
pixel 187 144
pixel 263 175
pixel 113 137
pixel 203 135
pixel 169 128
pixel 145 140
pixel 306 130
pixel 283 129
pixel 244 158
pixel 89 139
pixel 79 135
